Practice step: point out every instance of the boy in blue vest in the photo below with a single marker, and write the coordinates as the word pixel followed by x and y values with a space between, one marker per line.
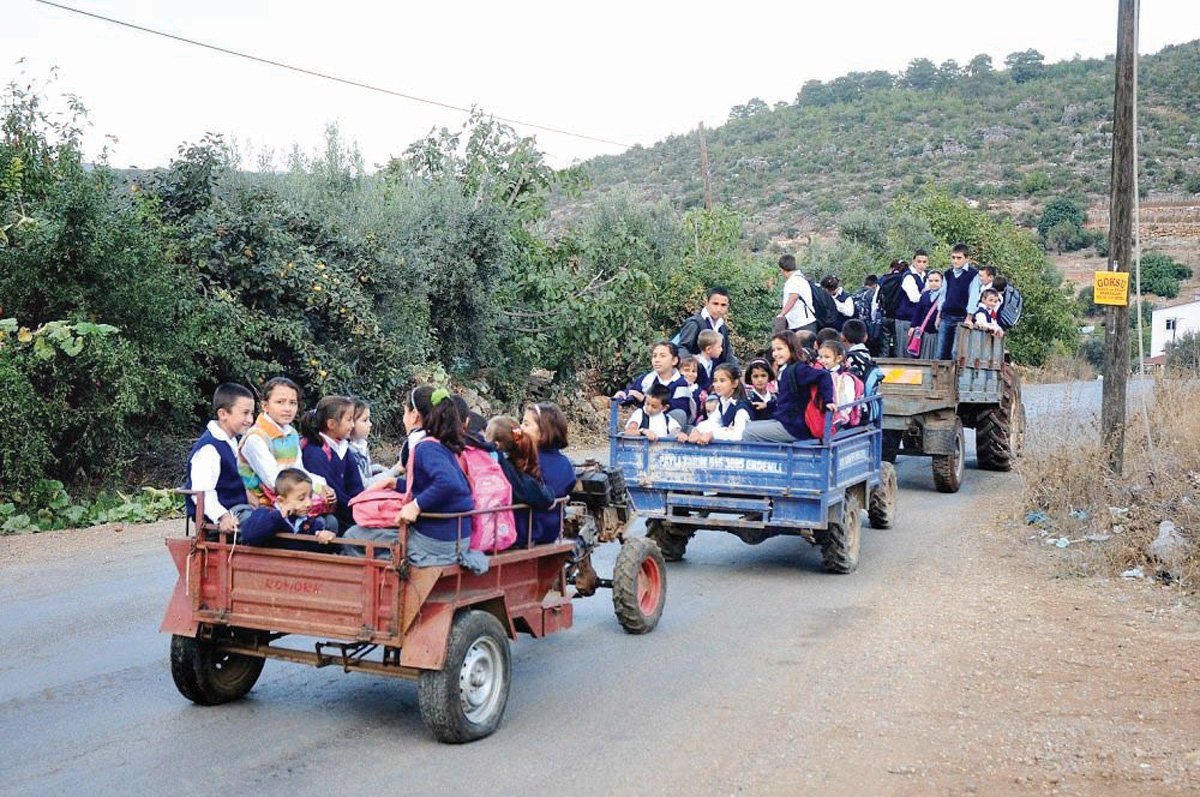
pixel 289 515
pixel 711 345
pixel 651 421
pixel 911 286
pixel 956 289
pixel 213 461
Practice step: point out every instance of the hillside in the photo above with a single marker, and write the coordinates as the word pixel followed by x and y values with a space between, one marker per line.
pixel 1012 137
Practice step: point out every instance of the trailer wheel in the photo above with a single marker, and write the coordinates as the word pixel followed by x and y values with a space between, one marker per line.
pixel 882 506
pixel 465 700
pixel 840 540
pixel 993 439
pixel 639 585
pixel 948 468
pixel 672 546
pixel 208 676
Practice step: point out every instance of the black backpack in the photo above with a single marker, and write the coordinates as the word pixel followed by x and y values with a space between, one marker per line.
pixel 889 293
pixel 685 338
pixel 823 307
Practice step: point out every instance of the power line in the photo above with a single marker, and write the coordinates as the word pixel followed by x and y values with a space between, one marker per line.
pixel 325 76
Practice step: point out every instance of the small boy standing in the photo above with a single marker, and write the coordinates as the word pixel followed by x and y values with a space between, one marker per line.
pixel 710 344
pixel 985 317
pixel 213 461
pixel 689 368
pixel 289 515
pixel 650 420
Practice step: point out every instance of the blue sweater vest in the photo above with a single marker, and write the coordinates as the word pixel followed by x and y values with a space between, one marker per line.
pixel 231 491
pixel 558 474
pixel 729 414
pixel 958 291
pixel 905 307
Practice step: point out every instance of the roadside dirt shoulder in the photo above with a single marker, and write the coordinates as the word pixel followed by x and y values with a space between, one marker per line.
pixel 981 672
pixel 109 539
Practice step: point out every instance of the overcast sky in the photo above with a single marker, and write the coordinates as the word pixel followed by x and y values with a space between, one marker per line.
pixel 629 72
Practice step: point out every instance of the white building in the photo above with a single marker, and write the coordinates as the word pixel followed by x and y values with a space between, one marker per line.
pixel 1170 323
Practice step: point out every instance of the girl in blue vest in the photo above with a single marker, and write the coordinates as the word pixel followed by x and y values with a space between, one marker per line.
pixel 664 362
pixel 326 453
pixel 546 426
pixel 760 390
pixel 731 416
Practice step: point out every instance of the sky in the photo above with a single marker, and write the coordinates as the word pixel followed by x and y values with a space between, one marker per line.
pixel 628 72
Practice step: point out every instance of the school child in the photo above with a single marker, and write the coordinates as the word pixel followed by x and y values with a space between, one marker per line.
pixel 860 363
pixel 985 316
pixel 826 334
pixel 728 421
pixel 795 378
pixel 325 452
pixel 922 337
pixel 212 462
pixel 273 444
pixel 832 356
pixel 710 344
pixel 664 359
pixel 287 515
pixel 546 426
pixel 439 486
pixel 760 389
pixel 360 453
pixel 806 341
pixel 518 457
pixel 689 368
pixel 651 420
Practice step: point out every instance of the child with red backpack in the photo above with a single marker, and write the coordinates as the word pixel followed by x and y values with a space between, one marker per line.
pixel 437 484
pixel 805 394
pixel 847 387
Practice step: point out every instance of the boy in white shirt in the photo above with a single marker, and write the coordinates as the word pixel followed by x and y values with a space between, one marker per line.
pixel 650 421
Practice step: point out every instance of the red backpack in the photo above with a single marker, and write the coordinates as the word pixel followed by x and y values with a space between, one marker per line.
pixel 814 414
pixel 496 530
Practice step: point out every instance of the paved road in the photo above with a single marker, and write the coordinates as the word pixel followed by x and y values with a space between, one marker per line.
pixel 87 703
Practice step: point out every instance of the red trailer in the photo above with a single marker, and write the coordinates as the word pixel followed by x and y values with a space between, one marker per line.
pixel 445 627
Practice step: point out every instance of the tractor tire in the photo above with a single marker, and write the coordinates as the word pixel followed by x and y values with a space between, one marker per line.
pixel 208 676
pixel 999 430
pixel 673 546
pixel 948 468
pixel 465 700
pixel 840 540
pixel 881 508
pixel 639 585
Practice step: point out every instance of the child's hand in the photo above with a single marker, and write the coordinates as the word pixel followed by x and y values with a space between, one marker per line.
pixel 999 333
pixel 759 405
pixel 325 536
pixel 636 395
pixel 681 437
pixel 700 438
pixel 228 522
pixel 651 435
pixel 831 406
pixel 409 513
pixel 632 429
pixel 619 395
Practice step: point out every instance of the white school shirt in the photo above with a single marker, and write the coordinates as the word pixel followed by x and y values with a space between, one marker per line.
pixel 909 285
pixel 266 467
pixel 707 316
pixel 205 469
pixel 801 312
pixel 713 422
pixel 662 424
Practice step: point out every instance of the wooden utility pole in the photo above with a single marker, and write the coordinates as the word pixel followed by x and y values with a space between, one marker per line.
pixel 704 166
pixel 1120 237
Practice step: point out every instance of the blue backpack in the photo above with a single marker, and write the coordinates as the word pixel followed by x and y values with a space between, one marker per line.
pixel 867 370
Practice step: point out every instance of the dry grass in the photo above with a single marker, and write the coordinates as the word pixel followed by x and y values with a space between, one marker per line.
pixel 1059 368
pixel 1108 522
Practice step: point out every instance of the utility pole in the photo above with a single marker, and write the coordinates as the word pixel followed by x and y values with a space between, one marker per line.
pixel 704 166
pixel 1120 237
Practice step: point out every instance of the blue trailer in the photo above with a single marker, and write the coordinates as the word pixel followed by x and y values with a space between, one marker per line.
pixel 815 489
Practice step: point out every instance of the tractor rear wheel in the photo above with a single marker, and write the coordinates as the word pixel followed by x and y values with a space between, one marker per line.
pixel 948 468
pixel 881 510
pixel 672 545
pixel 999 430
pixel 209 676
pixel 841 538
pixel 465 700
pixel 639 585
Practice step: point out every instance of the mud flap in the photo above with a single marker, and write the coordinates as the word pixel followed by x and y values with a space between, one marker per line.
pixel 180 618
pixel 425 643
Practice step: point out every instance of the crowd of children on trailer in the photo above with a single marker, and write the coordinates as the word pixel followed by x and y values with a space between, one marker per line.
pixel 261 476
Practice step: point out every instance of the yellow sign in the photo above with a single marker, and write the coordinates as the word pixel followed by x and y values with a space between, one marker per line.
pixel 902 376
pixel 1111 287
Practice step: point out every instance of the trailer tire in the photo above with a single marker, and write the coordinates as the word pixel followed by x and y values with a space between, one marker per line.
pixel 673 546
pixel 465 700
pixel 881 509
pixel 993 439
pixel 639 585
pixel 948 468
pixel 208 676
pixel 841 539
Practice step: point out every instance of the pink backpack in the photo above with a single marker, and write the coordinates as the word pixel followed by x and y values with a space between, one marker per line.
pixel 490 531
pixel 853 416
pixel 376 507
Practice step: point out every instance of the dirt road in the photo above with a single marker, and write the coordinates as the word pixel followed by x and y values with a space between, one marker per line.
pixel 952 662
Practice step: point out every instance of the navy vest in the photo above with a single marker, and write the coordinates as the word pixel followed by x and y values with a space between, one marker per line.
pixel 730 413
pixel 958 291
pixel 905 307
pixel 231 491
pixel 646 418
